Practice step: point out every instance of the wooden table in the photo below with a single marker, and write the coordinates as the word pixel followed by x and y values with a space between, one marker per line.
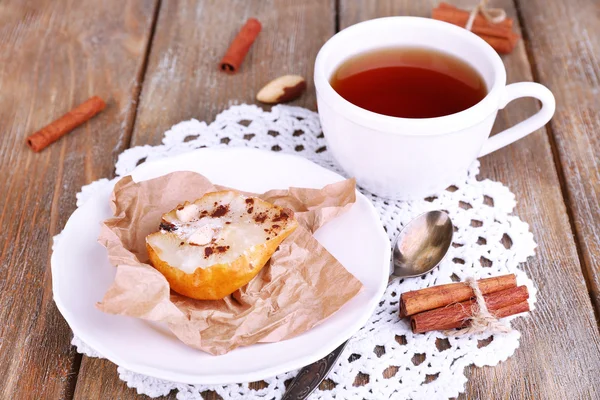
pixel 155 63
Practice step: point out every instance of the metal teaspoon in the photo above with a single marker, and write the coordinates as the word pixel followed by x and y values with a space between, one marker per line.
pixel 419 247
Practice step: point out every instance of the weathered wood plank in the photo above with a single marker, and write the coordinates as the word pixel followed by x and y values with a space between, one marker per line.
pixel 183 82
pixel 560 367
pixel 53 56
pixel 183 78
pixel 564 41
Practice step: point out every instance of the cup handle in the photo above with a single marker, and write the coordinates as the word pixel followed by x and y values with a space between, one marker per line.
pixel 531 124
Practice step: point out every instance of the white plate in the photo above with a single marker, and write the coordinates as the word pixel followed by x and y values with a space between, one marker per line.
pixel 81 275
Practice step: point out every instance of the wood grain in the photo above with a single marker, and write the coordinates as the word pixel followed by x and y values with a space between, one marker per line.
pixel 183 81
pixel 53 56
pixel 564 40
pixel 560 342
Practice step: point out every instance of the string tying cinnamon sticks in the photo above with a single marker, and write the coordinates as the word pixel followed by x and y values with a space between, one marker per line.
pixel 493 15
pixel 473 306
pixel 490 24
pixel 481 319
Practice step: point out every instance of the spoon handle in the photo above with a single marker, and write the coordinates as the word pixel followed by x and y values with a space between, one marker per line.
pixel 312 375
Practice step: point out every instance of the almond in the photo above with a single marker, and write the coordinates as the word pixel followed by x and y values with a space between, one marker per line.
pixel 202 236
pixel 281 90
pixel 187 213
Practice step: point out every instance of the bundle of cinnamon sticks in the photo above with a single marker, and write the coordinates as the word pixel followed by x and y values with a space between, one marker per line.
pixel 500 35
pixel 451 306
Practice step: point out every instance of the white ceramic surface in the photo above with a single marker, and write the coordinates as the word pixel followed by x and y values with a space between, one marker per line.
pixel 404 158
pixel 81 274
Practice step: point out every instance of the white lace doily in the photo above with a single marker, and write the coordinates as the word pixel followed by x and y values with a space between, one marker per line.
pixel 385 354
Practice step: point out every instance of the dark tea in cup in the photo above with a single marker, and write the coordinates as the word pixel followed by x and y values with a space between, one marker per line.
pixel 408 103
pixel 409 82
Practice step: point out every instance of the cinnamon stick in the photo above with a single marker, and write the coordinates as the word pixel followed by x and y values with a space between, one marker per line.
pixel 440 296
pixel 481 26
pixel 479 19
pixel 513 309
pixel 501 45
pixel 65 124
pixel 232 60
pixel 500 304
pixel 498 35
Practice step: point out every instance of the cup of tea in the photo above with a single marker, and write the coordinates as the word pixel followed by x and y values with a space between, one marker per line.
pixel 407 104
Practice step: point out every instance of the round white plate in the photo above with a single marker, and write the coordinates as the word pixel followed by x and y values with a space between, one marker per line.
pixel 81 275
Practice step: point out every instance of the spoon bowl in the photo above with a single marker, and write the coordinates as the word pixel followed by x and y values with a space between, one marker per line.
pixel 422 244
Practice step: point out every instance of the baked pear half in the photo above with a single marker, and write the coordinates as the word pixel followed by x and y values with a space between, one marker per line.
pixel 210 248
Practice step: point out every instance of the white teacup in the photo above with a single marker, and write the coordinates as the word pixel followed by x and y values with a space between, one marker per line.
pixel 406 158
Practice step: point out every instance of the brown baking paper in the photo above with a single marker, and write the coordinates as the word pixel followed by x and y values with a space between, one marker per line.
pixel 300 287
